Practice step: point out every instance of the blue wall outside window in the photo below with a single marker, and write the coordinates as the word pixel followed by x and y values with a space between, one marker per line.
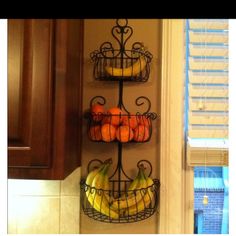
pixel 213 217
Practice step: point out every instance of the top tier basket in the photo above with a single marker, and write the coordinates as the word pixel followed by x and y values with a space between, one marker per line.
pixel 121 64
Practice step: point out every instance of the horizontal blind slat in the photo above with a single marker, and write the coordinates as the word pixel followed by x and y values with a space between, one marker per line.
pixel 203 104
pixel 208 77
pixel 207 132
pixel 201 50
pixel 208 24
pixel 207 91
pixel 207 64
pixel 207 118
pixel 208 37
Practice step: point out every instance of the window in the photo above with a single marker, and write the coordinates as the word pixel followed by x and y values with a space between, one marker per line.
pixel 206 121
pixel 207 92
pixel 176 175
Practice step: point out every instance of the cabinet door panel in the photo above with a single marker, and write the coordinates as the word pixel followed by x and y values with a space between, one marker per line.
pixel 30 76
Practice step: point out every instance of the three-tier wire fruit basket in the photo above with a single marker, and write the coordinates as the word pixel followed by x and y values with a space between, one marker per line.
pixel 120 126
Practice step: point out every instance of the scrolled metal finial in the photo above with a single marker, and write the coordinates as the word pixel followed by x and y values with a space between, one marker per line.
pixel 141 162
pixel 122 32
pixel 119 22
pixel 102 102
pixel 138 102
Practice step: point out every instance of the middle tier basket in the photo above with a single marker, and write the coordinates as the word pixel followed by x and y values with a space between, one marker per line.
pixel 122 128
pixel 117 124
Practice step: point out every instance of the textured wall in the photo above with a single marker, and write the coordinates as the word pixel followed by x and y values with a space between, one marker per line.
pixel 212 212
pixel 44 206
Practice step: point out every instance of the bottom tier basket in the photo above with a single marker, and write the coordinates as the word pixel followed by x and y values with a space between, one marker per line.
pixel 142 209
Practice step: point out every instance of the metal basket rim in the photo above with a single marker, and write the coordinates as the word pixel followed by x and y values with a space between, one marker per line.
pixel 100 54
pixel 156 183
pixel 151 115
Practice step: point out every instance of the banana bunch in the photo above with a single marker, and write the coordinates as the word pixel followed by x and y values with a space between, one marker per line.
pixel 136 199
pixel 138 196
pixel 98 190
pixel 133 70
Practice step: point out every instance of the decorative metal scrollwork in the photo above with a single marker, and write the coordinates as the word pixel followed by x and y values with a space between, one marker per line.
pixel 124 32
pixel 107 50
pixel 89 167
pixel 149 165
pixel 99 99
pixel 108 125
pixel 134 62
pixel 138 102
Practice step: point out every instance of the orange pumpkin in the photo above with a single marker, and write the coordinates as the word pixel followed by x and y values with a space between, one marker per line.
pixel 141 133
pixel 143 120
pixel 124 133
pixel 130 120
pixel 113 116
pixel 108 132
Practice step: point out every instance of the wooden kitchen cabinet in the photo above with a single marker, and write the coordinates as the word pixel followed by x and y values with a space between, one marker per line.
pixel 44 97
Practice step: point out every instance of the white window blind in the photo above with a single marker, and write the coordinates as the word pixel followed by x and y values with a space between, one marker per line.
pixel 207 91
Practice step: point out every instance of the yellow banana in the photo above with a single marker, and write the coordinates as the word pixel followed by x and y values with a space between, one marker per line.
pixel 97 196
pixel 90 177
pixel 133 70
pixel 134 193
pixel 147 196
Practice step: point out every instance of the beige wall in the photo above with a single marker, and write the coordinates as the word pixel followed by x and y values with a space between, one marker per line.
pixel 97 32
pixel 44 206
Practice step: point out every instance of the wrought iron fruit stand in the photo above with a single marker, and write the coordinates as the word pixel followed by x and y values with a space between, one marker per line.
pixel 118 202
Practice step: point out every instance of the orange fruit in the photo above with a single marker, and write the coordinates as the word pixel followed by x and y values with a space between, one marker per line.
pixel 141 133
pixel 113 116
pixel 95 133
pixel 143 120
pixel 106 118
pixel 97 112
pixel 108 132
pixel 130 120
pixel 124 133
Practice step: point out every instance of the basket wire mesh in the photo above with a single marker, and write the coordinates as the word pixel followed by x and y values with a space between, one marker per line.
pixel 124 216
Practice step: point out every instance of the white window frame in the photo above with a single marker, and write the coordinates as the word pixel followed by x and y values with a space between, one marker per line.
pixel 177 192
